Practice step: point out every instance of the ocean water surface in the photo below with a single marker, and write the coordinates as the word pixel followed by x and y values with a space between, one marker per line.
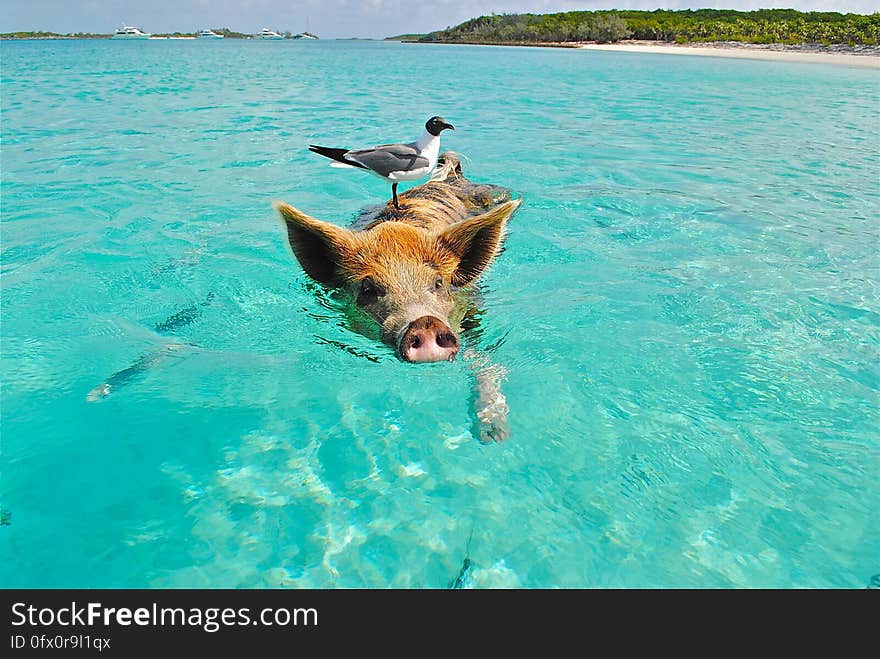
pixel 687 311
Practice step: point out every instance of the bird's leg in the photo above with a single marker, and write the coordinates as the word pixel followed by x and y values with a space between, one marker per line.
pixel 394 192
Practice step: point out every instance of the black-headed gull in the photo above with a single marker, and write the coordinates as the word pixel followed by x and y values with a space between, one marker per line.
pixel 394 162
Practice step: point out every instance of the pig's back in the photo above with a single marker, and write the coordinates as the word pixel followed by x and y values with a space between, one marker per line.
pixel 436 204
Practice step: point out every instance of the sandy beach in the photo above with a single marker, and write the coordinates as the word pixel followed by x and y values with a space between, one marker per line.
pixel 744 52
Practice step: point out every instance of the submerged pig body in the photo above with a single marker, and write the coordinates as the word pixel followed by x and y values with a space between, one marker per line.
pixel 408 267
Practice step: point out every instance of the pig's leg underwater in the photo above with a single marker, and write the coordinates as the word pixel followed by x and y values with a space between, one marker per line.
pixel 488 403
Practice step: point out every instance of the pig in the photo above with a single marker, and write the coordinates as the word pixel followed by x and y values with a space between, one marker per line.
pixel 410 269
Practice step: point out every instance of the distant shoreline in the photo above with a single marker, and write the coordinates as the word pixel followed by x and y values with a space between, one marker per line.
pixel 864 56
pixel 62 37
pixel 161 36
pixel 861 56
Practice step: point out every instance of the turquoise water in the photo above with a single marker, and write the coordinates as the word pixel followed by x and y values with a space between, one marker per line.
pixel 687 309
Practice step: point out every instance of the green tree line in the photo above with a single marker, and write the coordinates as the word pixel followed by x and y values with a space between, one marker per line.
pixel 51 35
pixel 762 26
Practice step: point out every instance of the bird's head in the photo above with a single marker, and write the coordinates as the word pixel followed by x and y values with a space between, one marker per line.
pixel 436 125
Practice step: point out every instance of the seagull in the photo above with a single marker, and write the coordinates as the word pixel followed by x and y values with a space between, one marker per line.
pixel 393 162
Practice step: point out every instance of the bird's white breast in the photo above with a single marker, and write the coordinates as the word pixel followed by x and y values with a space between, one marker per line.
pixel 429 148
pixel 410 175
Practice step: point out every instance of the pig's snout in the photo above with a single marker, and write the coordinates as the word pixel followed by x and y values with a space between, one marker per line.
pixel 428 339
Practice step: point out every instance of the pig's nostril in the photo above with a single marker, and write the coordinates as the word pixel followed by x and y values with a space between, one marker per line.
pixel 446 340
pixel 416 341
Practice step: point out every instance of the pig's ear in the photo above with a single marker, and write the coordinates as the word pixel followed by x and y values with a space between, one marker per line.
pixel 477 240
pixel 318 246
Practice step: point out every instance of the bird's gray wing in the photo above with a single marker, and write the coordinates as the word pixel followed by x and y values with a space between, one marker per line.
pixel 389 158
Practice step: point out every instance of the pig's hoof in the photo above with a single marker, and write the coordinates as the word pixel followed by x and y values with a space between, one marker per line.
pixel 492 423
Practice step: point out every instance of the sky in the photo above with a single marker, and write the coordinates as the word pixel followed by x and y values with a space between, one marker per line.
pixel 332 18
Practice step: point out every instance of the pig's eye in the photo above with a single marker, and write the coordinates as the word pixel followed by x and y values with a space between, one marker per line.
pixel 369 289
pixel 438 284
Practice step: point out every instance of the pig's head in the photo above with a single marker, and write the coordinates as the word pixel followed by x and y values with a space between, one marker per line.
pixel 403 276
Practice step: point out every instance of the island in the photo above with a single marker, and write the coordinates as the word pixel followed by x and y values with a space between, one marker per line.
pixel 405 37
pixel 760 27
pixel 220 31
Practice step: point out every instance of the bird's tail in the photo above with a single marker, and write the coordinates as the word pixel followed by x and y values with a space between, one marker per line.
pixel 334 154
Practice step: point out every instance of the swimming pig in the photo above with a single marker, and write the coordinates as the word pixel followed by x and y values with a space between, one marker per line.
pixel 409 268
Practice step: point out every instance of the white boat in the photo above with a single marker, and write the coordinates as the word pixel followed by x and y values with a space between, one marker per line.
pixel 208 34
pixel 130 32
pixel 266 33
pixel 305 35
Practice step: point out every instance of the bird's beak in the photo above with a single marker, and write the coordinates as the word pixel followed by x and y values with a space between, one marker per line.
pixel 449 126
